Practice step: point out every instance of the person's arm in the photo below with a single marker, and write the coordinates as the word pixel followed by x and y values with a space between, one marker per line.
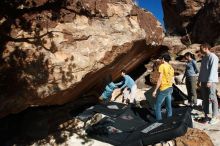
pixel 119 83
pixel 199 82
pixel 213 67
pixel 199 77
pixel 184 75
pixel 158 85
pixel 158 81
pixel 125 83
pixel 195 67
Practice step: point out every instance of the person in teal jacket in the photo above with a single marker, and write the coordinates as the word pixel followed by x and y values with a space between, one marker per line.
pixel 107 93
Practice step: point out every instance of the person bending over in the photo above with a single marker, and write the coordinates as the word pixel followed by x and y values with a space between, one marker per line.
pixel 128 87
pixel 107 93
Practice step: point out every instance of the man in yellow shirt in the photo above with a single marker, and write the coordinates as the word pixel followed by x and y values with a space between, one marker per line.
pixel 164 84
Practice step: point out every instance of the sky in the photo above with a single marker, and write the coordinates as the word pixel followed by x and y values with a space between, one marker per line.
pixel 154 6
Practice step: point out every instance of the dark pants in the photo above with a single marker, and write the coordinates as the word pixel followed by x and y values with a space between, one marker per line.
pixel 209 96
pixel 191 89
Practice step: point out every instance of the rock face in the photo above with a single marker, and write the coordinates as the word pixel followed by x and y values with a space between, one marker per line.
pixel 54 51
pixel 193 16
pixel 174 44
pixel 216 49
pixel 194 137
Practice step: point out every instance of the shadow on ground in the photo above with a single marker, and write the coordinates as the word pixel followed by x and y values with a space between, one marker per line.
pixel 41 124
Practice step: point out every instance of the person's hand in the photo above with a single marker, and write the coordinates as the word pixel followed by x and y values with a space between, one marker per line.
pixel 117 90
pixel 154 93
pixel 209 84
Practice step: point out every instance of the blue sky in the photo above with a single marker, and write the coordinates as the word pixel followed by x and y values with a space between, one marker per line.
pixel 154 6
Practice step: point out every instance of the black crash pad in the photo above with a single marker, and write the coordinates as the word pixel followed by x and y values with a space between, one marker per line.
pixel 138 127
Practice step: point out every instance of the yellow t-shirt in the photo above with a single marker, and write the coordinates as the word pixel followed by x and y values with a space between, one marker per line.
pixel 167 76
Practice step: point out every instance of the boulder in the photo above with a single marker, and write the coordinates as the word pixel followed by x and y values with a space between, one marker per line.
pixel 179 67
pixel 174 44
pixel 194 137
pixel 206 27
pixel 190 18
pixel 178 14
pixel 216 50
pixel 54 51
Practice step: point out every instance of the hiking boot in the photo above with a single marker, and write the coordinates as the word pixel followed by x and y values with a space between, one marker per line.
pixel 213 121
pixel 191 105
pixel 132 105
pixel 205 120
pixel 127 101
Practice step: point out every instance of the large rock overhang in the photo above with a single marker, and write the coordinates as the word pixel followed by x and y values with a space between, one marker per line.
pixel 132 55
pixel 51 59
